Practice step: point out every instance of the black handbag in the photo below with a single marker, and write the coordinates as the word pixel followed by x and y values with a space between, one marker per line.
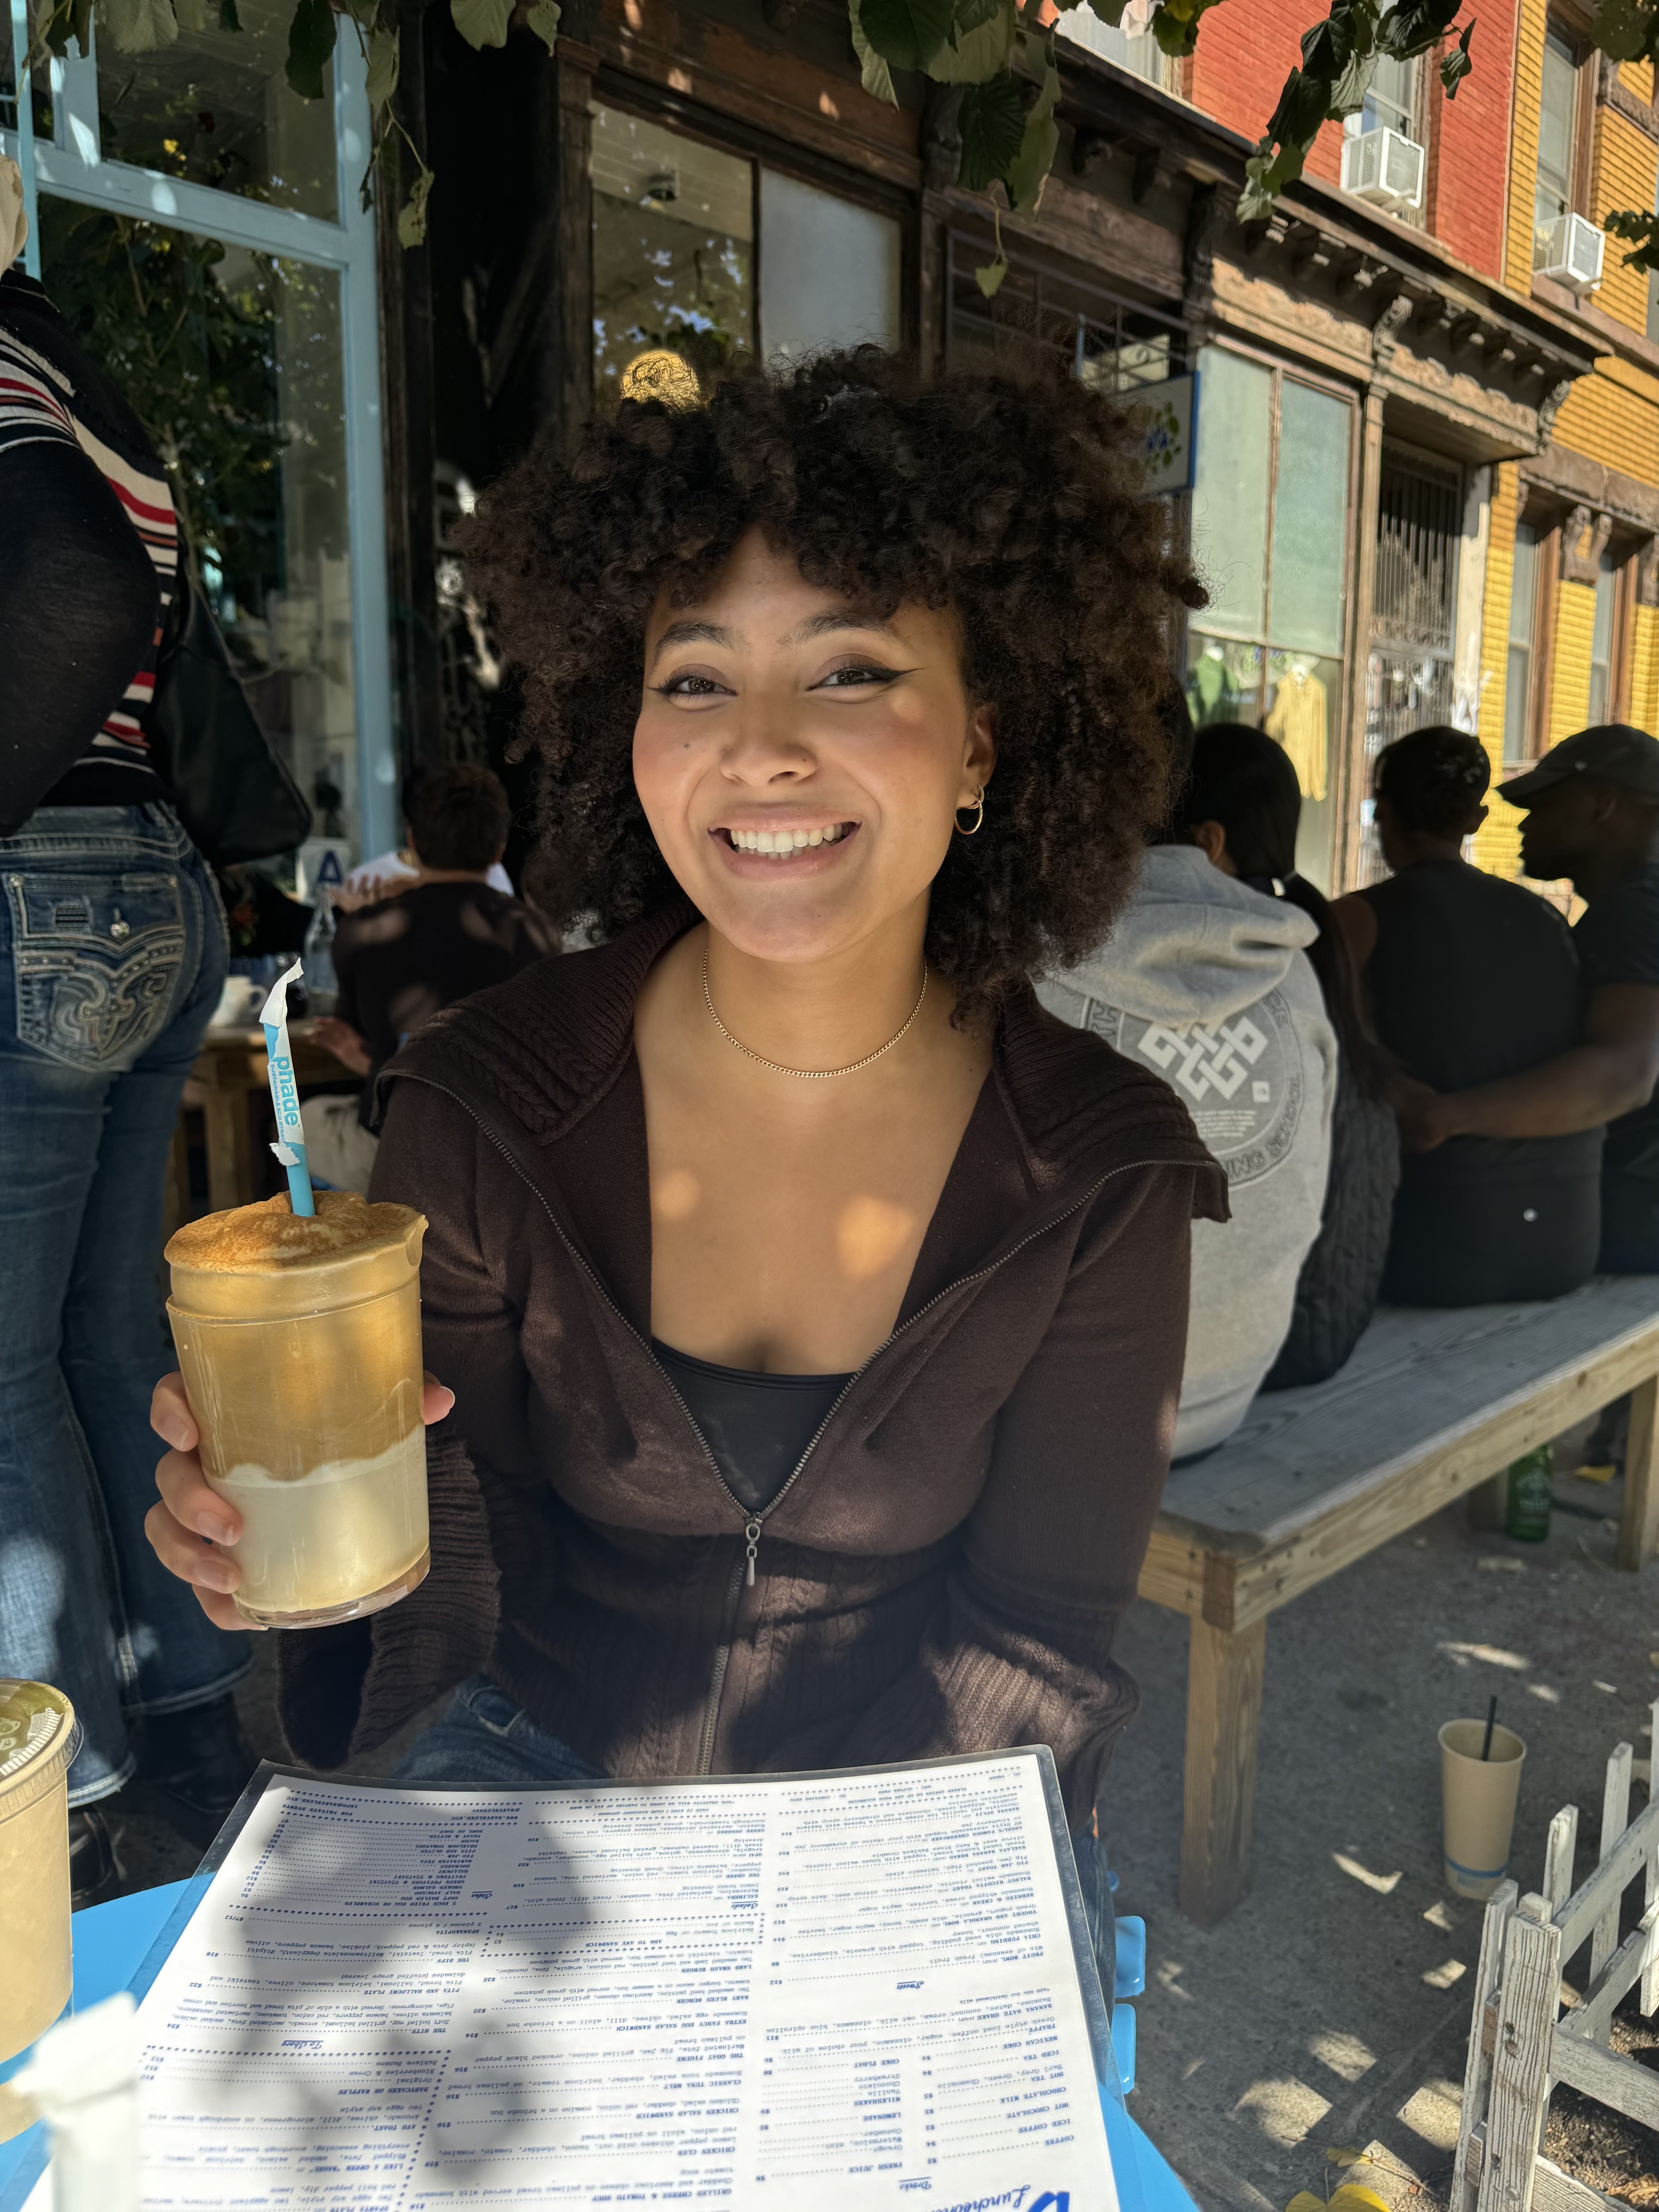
pixel 232 792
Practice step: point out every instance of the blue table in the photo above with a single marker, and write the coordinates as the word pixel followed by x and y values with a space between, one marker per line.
pixel 120 1946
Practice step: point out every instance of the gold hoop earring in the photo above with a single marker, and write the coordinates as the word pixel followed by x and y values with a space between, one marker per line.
pixel 978 813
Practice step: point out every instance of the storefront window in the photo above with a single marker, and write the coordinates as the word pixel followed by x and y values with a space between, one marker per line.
pixel 673 248
pixel 1601 640
pixel 233 362
pixel 1517 675
pixel 830 270
pixel 707 254
pixel 1051 313
pixel 214 109
pixel 1270 537
pixel 200 225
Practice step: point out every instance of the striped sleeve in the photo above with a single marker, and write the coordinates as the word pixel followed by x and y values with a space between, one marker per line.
pixel 33 399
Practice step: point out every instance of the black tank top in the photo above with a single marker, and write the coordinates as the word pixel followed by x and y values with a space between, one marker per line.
pixel 757 1425
pixel 1473 979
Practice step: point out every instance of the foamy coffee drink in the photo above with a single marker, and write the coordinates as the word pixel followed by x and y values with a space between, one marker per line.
pixel 38 1740
pixel 299 1339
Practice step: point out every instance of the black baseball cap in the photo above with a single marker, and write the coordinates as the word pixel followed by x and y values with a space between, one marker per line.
pixel 1612 753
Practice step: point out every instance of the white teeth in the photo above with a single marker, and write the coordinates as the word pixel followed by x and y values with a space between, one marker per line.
pixel 783 841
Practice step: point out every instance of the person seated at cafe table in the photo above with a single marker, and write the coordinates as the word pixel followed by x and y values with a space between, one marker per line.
pixel 434 937
pixel 807 1304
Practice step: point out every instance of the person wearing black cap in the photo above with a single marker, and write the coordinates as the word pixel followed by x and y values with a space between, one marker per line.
pixel 1592 814
pixel 1470 979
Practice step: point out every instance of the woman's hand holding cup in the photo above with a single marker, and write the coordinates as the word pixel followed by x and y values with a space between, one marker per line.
pixel 190 1528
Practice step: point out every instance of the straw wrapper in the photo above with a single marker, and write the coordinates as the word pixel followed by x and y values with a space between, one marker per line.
pixel 290 1145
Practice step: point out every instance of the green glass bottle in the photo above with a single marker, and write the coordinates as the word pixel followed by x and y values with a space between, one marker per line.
pixel 1531 1494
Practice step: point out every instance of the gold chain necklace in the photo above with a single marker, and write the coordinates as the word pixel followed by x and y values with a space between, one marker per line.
pixel 807 1074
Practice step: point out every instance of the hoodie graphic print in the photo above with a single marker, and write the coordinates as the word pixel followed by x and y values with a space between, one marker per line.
pixel 1206 981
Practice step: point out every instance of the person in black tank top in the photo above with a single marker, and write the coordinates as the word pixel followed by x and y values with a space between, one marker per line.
pixel 1470 978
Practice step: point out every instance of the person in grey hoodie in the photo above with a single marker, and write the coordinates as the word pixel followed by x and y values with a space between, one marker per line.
pixel 1208 982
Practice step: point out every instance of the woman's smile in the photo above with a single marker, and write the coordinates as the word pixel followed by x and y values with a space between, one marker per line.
pixel 771 847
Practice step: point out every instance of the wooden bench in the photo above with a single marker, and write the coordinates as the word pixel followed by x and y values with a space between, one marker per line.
pixel 1429 1404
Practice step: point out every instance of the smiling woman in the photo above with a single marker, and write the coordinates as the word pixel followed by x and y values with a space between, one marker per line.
pixel 812 1304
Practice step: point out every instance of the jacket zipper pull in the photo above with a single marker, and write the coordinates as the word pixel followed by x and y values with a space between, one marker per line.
pixel 751 1535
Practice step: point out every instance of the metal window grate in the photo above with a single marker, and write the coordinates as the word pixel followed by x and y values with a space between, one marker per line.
pixel 1410 665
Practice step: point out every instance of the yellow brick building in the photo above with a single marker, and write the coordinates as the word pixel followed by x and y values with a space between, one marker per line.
pixel 1569 629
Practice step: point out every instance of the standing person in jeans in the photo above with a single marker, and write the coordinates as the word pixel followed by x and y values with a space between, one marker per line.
pixel 113 953
pixel 1472 982
pixel 437 935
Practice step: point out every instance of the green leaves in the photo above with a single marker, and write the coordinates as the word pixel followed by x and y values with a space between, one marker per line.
pixel 1414 25
pixel 543 18
pixel 1175 26
pixel 383 60
pixel 1626 29
pixel 482 22
pixel 907 34
pixel 1456 66
pixel 1027 171
pixel 1338 60
pixel 991 124
pixel 310 47
pixel 1641 233
pixel 411 219
pixel 980 49
pixel 873 73
pixel 139 27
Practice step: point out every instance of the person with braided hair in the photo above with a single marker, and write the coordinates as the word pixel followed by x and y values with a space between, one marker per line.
pixel 1470 980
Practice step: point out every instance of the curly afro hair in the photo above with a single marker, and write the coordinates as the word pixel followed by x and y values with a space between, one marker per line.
pixel 1013 504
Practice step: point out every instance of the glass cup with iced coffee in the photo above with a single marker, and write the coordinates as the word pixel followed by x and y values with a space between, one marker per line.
pixel 38 1740
pixel 299 1341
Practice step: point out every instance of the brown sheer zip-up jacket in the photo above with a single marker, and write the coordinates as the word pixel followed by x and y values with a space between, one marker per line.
pixel 946 1568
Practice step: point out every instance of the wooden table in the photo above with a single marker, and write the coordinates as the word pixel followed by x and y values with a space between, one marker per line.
pixel 230 1064
pixel 1431 1405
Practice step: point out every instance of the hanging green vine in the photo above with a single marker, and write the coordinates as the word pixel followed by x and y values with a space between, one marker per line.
pixel 996 58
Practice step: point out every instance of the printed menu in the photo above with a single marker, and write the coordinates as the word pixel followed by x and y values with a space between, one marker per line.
pixel 829 1993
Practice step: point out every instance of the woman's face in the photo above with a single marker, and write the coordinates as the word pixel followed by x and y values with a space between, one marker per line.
pixel 799 762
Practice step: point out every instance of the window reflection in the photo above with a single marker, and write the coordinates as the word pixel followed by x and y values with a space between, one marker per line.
pixel 215 108
pixel 234 362
pixel 673 249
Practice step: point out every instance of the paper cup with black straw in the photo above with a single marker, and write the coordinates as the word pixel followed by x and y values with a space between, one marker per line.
pixel 290 1145
pixel 1480 1767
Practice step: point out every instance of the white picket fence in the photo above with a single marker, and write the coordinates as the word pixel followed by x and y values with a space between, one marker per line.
pixel 1521 2043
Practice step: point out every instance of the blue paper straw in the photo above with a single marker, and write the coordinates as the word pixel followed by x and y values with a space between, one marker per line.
pixel 290 1145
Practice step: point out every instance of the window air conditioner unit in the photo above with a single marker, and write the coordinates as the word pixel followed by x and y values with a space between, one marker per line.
pixel 1570 250
pixel 1383 167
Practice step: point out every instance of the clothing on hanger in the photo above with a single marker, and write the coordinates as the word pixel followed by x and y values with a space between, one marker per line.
pixel 1298 720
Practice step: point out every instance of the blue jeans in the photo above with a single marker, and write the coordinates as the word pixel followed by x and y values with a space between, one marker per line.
pixel 112 955
pixel 485 1742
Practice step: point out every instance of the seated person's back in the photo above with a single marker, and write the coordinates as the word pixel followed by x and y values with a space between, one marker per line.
pixel 1470 978
pixel 1207 982
pixel 446 934
pixel 1242 807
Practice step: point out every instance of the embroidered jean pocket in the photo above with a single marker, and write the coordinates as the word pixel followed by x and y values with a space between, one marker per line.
pixel 96 960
